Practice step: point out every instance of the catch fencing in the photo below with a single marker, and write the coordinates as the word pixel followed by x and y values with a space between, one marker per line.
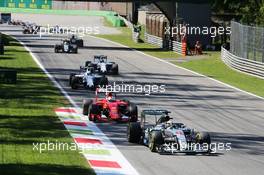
pixel 247 42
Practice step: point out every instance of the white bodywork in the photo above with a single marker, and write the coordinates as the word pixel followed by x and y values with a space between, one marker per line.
pixel 102 67
pixel 66 47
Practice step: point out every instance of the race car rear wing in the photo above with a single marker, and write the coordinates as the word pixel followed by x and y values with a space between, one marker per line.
pixel 155 112
pixel 150 112
pixel 99 57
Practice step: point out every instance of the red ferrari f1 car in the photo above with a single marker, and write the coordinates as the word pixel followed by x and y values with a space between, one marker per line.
pixel 110 109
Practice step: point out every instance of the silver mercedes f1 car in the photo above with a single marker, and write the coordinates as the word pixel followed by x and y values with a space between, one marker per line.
pixel 158 131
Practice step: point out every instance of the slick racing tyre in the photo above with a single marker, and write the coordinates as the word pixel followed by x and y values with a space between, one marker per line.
pixel 114 69
pixel 203 137
pixel 133 112
pixel 134 132
pixel 103 82
pixel 76 51
pixel 86 106
pixel 74 83
pixel 70 78
pixel 155 140
pixel 95 110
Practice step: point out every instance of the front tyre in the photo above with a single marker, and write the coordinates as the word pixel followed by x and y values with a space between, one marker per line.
pixel 155 140
pixel 71 77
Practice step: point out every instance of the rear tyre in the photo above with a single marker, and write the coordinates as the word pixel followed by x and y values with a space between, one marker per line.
pixel 103 82
pixel 115 70
pixel 134 132
pixel 74 83
pixel 95 110
pixel 80 43
pixel 203 137
pixel 133 112
pixel 86 106
pixel 71 77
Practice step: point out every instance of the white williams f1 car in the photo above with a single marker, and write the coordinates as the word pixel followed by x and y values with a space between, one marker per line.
pixel 101 64
pixel 88 79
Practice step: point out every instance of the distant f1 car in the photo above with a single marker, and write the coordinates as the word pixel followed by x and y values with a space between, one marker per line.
pixel 101 64
pixel 66 47
pixel 15 22
pixel 109 108
pixel 74 39
pixel 31 29
pixel 163 136
pixel 88 79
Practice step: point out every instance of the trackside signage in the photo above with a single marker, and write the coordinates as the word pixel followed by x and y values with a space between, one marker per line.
pixel 32 4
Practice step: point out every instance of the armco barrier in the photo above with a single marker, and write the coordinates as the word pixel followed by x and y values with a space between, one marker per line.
pixel 244 65
pixel 151 39
pixel 176 46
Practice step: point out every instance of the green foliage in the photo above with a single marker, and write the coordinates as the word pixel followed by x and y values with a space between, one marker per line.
pixel 251 11
pixel 212 66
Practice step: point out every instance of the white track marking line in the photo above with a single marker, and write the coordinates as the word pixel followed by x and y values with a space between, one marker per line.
pixel 196 73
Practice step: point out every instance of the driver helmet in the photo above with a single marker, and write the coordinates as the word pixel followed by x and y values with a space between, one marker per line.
pixel 109 96
pixel 169 123
pixel 101 60
pixel 88 72
pixel 91 70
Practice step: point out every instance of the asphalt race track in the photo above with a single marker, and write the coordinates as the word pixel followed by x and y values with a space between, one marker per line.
pixel 229 115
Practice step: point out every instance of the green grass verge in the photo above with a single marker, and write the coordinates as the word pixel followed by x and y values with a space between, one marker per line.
pixel 27 116
pixel 212 66
pixel 125 38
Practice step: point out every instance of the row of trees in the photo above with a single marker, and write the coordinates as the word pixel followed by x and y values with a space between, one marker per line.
pixel 251 11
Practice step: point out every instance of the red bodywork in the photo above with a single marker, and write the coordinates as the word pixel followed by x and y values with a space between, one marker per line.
pixel 113 110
